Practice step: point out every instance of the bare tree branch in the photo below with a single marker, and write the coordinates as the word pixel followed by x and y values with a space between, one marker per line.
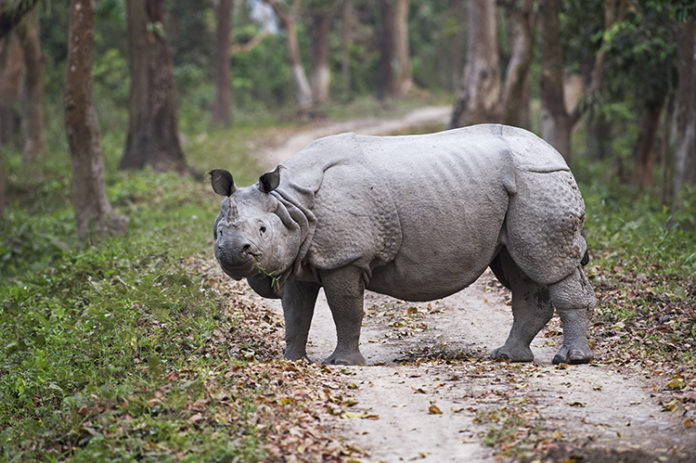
pixel 251 44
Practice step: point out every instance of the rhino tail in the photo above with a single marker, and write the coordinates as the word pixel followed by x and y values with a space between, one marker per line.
pixel 585 259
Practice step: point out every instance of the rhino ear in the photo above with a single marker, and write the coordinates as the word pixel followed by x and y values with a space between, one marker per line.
pixel 222 182
pixel 270 180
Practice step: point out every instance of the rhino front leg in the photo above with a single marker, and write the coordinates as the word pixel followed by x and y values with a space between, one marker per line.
pixel 531 310
pixel 344 290
pixel 298 310
pixel 574 299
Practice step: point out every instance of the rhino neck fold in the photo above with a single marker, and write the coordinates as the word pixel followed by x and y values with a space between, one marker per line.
pixel 295 215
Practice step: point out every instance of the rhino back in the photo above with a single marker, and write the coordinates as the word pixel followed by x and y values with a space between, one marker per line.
pixel 450 190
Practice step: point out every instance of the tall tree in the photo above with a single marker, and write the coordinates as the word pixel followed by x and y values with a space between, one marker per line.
pixel 644 149
pixel 457 9
pixel 32 94
pixel 516 91
pixel 11 13
pixel 346 27
pixel 321 76
pixel 2 186
pixel 11 64
pixel 222 106
pixel 92 208
pixel 404 81
pixel 386 84
pixel 685 154
pixel 153 136
pixel 478 96
pixel 556 122
pixel 288 16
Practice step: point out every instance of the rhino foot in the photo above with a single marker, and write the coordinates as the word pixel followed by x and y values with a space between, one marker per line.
pixel 295 355
pixel 572 356
pixel 520 354
pixel 345 358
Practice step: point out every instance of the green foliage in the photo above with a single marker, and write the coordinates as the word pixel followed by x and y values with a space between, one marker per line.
pixel 582 26
pixel 433 32
pixel 90 333
pixel 255 87
pixel 627 227
pixel 642 56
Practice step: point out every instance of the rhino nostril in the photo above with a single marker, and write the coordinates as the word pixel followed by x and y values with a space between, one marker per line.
pixel 245 248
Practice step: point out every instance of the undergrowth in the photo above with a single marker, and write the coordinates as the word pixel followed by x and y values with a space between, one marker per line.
pixel 89 333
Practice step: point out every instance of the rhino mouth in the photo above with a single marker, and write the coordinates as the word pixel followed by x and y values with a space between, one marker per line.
pixel 238 271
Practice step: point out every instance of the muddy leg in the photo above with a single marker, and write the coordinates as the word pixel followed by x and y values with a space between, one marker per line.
pixel 531 310
pixel 574 300
pixel 298 310
pixel 344 290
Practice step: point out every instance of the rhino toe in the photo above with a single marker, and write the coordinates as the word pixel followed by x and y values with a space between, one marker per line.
pixel 514 355
pixel 572 356
pixel 353 358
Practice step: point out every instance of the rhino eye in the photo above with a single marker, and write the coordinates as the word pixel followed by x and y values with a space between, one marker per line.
pixel 262 229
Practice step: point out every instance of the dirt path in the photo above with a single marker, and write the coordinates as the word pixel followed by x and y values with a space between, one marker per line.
pixel 429 394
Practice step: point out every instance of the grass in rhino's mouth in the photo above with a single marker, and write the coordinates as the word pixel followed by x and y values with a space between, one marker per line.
pixel 275 279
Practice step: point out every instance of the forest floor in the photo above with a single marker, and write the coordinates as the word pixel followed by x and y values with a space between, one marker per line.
pixel 428 392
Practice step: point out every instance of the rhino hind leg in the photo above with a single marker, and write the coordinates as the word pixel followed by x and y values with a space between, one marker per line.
pixel 531 310
pixel 574 300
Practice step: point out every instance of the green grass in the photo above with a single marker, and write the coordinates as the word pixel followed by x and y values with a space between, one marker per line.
pixel 89 333
pixel 643 267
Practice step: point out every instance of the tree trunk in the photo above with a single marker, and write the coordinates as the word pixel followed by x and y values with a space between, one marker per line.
pixel 153 137
pixel 222 106
pixel 478 97
pixel 11 13
pixel 403 59
pixel 644 151
pixel 515 92
pixel 345 47
pixel 556 123
pixel 11 59
pixel 458 10
pixel 685 154
pixel 32 92
pixel 386 87
pixel 289 18
pixel 2 186
pixel 92 208
pixel 321 77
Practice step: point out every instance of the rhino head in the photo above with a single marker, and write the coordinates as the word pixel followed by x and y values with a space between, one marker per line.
pixel 251 240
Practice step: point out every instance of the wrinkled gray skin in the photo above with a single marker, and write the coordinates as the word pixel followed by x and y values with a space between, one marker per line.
pixel 418 218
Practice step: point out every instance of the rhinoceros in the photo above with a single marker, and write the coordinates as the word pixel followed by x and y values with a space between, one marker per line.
pixel 416 217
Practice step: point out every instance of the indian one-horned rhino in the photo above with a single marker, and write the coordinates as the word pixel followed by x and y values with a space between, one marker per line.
pixel 416 217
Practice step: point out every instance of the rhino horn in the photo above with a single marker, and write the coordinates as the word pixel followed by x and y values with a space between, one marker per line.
pixel 270 180
pixel 222 182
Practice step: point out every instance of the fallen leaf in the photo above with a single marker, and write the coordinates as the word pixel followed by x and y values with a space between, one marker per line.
pixel 677 382
pixel 434 410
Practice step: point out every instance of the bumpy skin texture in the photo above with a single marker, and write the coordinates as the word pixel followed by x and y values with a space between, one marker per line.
pixel 418 218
